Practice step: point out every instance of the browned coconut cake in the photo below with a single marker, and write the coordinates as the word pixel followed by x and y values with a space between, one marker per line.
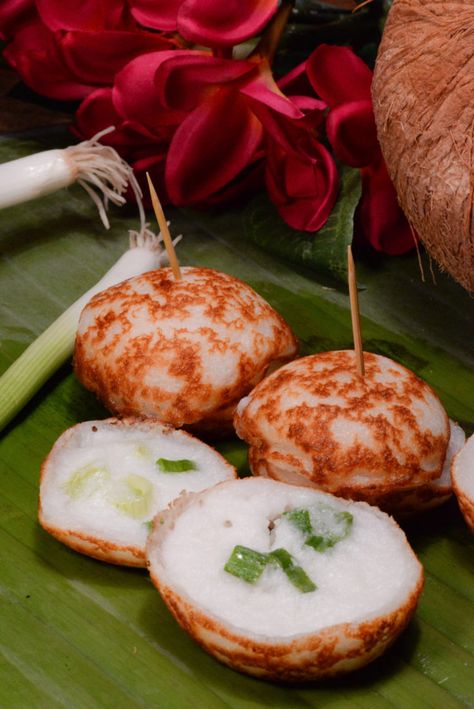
pixel 316 422
pixel 411 501
pixel 284 582
pixel 103 482
pixel 184 350
pixel 462 472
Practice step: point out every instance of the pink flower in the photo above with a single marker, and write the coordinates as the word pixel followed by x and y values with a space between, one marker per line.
pixel 343 81
pixel 65 50
pixel 206 121
pixel 211 23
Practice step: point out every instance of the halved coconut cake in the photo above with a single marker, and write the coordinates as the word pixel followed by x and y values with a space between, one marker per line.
pixel 284 582
pixel 103 482
pixel 462 473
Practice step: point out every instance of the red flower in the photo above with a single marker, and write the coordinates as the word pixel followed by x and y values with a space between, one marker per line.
pixel 207 121
pixel 65 50
pixel 343 81
pixel 211 23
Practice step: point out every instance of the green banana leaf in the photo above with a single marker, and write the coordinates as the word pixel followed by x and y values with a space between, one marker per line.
pixel 78 633
pixel 324 251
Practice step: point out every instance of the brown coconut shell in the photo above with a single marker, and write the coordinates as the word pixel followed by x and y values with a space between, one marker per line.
pixel 423 97
pixel 328 652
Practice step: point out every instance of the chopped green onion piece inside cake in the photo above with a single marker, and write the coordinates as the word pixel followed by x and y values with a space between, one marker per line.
pixel 86 480
pixel 295 574
pixel 142 451
pixel 246 564
pixel 149 525
pixel 300 519
pixel 176 466
pixel 136 497
pixel 322 525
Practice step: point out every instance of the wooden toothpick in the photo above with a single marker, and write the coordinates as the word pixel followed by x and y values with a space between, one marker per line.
pixel 165 232
pixel 354 300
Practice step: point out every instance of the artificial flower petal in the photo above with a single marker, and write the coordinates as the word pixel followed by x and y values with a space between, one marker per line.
pixel 135 95
pixel 184 77
pixel 213 23
pixel 156 14
pixel 84 15
pixel 351 130
pixel 381 222
pixel 96 57
pixel 98 111
pixel 212 145
pixel 14 14
pixel 338 75
pixel 41 66
pixel 303 190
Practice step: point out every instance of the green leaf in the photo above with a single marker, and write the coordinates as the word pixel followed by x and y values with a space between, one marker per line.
pixel 325 250
pixel 176 466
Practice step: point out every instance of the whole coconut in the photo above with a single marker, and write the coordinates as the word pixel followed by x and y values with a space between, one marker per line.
pixel 183 351
pixel 423 96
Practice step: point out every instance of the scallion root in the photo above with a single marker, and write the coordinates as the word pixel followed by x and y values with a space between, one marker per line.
pixel 104 175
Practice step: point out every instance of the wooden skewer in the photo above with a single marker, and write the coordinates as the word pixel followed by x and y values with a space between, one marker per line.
pixel 165 232
pixel 355 314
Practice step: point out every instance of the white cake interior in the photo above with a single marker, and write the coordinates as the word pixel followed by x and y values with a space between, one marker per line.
pixel 457 439
pixel 464 468
pixel 103 480
pixel 369 572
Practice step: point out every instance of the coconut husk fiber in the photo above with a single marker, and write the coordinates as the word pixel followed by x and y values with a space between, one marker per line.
pixel 423 95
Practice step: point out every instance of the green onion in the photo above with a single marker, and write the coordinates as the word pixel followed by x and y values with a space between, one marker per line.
pixel 176 466
pixel 322 529
pixel 136 497
pixel 300 519
pixel 246 564
pixel 55 345
pixel 92 165
pixel 87 479
pixel 321 542
pixel 295 574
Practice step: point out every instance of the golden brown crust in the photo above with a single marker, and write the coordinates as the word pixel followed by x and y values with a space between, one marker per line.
pixel 95 547
pixel 296 422
pixel 184 351
pixel 327 653
pixel 401 503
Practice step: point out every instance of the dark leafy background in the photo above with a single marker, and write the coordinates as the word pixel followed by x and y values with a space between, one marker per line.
pixel 78 633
